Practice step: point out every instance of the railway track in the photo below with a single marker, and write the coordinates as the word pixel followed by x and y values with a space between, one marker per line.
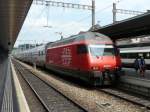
pixel 114 96
pixel 51 99
pixel 125 96
pixel 135 85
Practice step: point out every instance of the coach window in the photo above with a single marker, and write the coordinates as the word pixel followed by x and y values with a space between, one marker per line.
pixel 43 53
pixel 144 55
pixel 133 55
pixel 136 55
pixel 82 49
pixel 129 55
pixel 140 55
pixel 123 55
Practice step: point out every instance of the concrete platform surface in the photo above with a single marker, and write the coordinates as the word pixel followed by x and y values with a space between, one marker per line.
pixel 9 94
pixel 131 72
pixel 134 78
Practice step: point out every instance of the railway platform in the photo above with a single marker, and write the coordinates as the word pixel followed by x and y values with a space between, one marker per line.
pixel 132 80
pixel 132 73
pixel 132 77
pixel 11 96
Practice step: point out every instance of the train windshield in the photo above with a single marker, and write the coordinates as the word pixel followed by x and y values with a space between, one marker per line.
pixel 102 50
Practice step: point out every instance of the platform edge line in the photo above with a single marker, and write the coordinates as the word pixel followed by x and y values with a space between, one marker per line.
pixel 23 105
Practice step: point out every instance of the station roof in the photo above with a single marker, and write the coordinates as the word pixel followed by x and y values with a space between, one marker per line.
pixel 136 26
pixel 12 16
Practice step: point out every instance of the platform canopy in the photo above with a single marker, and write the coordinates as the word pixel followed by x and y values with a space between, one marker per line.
pixel 12 16
pixel 136 26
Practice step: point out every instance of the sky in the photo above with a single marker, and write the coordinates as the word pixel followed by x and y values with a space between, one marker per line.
pixel 71 21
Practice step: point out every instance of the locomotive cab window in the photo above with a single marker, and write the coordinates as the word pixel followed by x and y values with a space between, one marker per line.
pixel 82 49
pixel 102 50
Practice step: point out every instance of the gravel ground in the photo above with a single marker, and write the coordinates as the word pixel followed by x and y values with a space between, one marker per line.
pixel 92 100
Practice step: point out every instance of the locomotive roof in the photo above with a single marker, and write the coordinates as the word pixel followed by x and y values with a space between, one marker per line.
pixel 83 36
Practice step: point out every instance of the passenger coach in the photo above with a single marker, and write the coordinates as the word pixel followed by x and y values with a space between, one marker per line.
pixel 132 51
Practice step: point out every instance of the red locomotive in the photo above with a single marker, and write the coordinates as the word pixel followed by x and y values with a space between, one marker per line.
pixel 89 56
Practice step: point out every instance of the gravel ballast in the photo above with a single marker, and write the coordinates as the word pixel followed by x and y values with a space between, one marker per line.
pixel 90 99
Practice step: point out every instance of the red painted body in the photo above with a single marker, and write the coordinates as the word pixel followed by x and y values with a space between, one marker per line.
pixel 66 57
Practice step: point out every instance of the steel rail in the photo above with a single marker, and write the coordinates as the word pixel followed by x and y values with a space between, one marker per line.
pixel 76 104
pixel 127 97
pixel 38 97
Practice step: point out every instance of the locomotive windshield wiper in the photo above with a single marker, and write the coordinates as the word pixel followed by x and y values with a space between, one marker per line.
pixel 97 56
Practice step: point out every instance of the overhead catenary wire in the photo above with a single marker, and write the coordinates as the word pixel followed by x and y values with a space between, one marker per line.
pixel 82 19
pixel 38 16
pixel 87 17
pixel 100 10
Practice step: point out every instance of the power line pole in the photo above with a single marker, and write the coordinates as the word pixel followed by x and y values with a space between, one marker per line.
pixel 69 5
pixel 114 12
pixel 47 24
pixel 93 14
pixel 123 11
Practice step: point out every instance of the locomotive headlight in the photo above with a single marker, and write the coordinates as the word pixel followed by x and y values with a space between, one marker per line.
pixel 116 67
pixel 95 68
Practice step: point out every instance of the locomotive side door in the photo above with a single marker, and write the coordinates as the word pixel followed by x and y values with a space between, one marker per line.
pixel 82 51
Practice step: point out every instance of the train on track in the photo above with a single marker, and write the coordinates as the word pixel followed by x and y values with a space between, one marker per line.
pixel 135 50
pixel 89 56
